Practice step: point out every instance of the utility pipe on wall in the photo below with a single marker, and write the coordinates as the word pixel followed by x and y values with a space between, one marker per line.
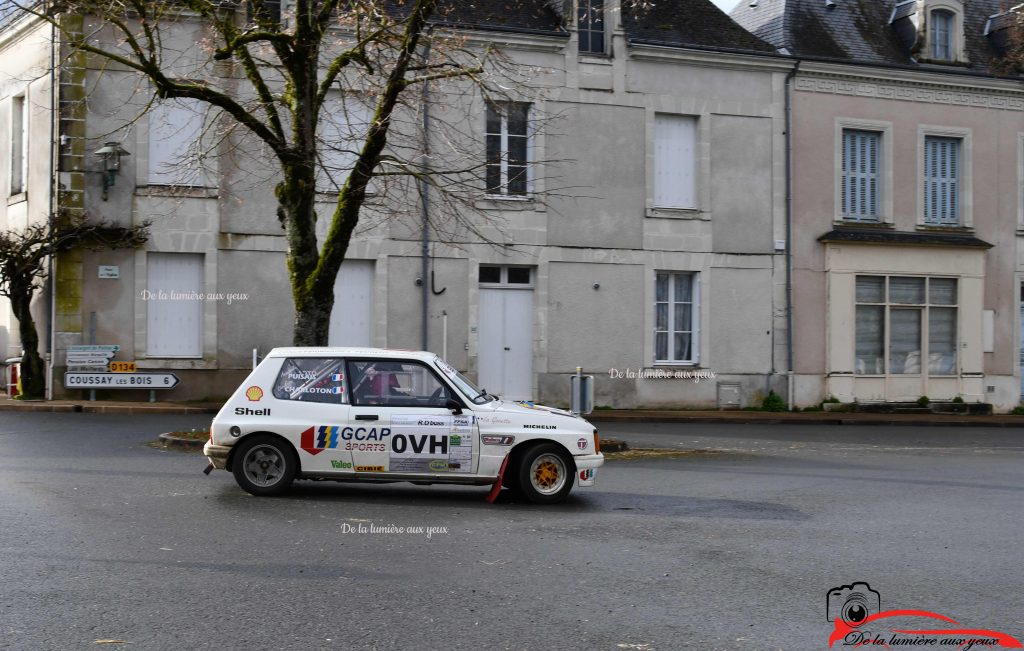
pixel 789 234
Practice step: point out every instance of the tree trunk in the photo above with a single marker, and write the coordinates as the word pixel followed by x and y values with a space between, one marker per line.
pixel 297 212
pixel 33 371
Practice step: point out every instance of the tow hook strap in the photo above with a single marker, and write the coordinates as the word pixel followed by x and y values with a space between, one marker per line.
pixel 493 495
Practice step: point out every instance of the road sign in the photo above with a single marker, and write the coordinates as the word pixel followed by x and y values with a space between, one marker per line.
pixel 87 368
pixel 120 380
pixel 122 367
pixel 94 347
pixel 93 354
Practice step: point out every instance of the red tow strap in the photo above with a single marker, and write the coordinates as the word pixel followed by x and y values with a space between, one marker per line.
pixel 493 495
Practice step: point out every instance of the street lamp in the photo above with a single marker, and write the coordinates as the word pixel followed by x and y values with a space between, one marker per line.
pixel 111 152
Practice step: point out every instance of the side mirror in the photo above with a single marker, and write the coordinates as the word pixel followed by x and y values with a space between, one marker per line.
pixel 454 406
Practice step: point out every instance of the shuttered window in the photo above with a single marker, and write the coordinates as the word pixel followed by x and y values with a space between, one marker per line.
pixel 942 181
pixel 19 144
pixel 941 33
pixel 344 124
pixel 174 304
pixel 675 161
pixel 175 130
pixel 860 192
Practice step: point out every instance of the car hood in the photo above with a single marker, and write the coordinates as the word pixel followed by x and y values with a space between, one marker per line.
pixel 525 408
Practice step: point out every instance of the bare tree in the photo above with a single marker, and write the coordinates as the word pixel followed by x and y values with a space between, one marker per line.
pixel 23 256
pixel 293 76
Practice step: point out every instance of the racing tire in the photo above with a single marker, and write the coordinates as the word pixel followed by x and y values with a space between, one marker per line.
pixel 264 465
pixel 545 474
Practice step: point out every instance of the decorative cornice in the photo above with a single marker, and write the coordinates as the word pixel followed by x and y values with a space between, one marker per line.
pixel 986 95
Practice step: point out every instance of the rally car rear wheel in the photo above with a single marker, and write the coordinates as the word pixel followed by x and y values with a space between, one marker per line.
pixel 546 474
pixel 264 465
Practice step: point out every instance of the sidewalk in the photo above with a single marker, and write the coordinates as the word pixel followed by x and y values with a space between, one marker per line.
pixel 601 416
pixel 109 406
pixel 800 418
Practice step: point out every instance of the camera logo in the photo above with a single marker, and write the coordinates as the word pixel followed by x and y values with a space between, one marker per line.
pixel 852 603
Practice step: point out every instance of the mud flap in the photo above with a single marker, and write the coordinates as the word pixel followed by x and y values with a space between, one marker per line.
pixel 208 469
pixel 493 495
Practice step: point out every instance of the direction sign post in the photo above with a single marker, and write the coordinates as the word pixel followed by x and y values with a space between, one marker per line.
pixel 93 381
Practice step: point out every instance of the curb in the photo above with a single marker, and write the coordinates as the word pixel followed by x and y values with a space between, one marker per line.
pixel 99 408
pixel 180 442
pixel 832 419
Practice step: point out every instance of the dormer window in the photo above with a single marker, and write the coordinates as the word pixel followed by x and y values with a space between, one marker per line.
pixel 941 36
pixel 590 26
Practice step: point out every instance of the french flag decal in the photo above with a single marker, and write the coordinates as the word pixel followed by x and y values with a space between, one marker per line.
pixel 337 377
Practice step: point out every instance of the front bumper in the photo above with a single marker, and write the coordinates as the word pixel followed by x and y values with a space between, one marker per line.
pixel 588 461
pixel 217 454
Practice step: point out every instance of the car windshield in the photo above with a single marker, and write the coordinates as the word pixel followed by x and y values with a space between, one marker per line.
pixel 468 389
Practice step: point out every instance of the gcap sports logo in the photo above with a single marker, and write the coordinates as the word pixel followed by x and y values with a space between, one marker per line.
pixel 857 612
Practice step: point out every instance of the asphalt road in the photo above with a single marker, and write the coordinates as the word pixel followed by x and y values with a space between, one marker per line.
pixel 104 538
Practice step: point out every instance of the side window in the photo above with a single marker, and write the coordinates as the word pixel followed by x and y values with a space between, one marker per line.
pixel 394 383
pixel 312 379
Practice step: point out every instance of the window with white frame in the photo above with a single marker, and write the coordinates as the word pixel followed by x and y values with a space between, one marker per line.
pixel 940 35
pixel 175 152
pixel 342 130
pixel 904 324
pixel 675 161
pixel 174 305
pixel 860 192
pixel 676 317
pixel 590 26
pixel 508 148
pixel 942 180
pixel 19 144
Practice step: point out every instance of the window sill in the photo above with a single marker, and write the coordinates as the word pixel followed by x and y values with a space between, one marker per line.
pixel 496 202
pixel 17 198
pixel 191 191
pixel 928 228
pixel 851 223
pixel 595 58
pixel 677 213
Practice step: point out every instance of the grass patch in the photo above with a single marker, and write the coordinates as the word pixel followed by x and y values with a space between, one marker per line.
pixel 193 435
pixel 655 453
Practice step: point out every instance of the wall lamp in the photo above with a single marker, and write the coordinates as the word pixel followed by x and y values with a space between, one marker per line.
pixel 111 152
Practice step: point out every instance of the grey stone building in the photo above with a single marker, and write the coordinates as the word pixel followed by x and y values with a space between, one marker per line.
pixel 658 264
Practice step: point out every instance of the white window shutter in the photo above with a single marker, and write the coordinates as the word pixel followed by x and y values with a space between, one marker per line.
pixel 175 129
pixel 342 131
pixel 675 161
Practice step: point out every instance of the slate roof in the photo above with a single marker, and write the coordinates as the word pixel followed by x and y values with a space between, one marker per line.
pixel 533 16
pixel 688 23
pixel 863 31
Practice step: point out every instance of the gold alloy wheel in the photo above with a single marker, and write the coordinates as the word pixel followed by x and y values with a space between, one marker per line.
pixel 548 473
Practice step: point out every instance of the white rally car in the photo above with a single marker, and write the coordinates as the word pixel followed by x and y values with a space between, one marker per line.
pixel 386 415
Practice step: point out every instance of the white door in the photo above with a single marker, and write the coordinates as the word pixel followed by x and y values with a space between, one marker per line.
pixel 174 310
pixel 353 305
pixel 506 342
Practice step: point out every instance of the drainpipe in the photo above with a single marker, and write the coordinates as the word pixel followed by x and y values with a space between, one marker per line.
pixel 425 198
pixel 51 281
pixel 789 234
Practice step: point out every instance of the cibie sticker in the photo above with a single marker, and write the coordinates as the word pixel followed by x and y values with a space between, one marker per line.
pixel 581 443
pixel 254 394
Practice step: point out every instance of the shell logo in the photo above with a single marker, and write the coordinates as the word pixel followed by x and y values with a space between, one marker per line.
pixel 254 394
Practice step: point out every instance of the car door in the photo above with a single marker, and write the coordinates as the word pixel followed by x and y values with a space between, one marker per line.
pixel 312 408
pixel 400 423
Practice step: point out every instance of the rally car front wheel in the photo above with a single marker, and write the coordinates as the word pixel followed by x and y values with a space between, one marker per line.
pixel 546 473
